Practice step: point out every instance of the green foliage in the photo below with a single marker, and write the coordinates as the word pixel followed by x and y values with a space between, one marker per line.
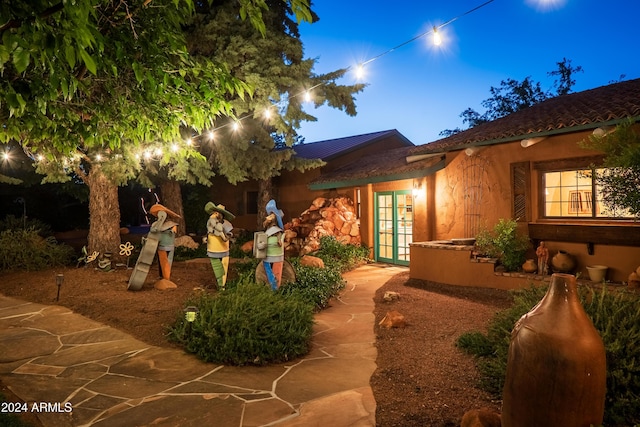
pixel 616 316
pixel 11 222
pixel 182 253
pixel 25 249
pixel 316 286
pixel 340 256
pixel 504 242
pixel 619 182
pixel 248 324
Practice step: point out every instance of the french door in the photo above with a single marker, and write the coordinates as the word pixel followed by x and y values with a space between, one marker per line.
pixel 394 226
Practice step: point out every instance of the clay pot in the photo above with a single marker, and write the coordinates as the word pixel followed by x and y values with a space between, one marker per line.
pixel 597 273
pixel 634 281
pixel 563 262
pixel 556 367
pixel 530 266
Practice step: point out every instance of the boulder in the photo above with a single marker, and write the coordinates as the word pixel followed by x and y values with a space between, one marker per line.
pixel 393 319
pixel 312 261
pixel 165 285
pixel 391 296
pixel 187 242
pixel 481 418
pixel 247 247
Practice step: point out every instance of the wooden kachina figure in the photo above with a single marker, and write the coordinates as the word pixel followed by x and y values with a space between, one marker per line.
pixel 274 245
pixel 543 258
pixel 218 234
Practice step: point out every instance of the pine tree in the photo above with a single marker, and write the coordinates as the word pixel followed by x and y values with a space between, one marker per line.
pixel 256 143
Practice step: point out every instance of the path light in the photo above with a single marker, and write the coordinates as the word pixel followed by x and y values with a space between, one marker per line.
pixel 59 280
pixel 190 313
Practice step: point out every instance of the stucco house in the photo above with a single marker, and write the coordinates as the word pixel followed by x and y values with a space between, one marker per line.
pixel 291 188
pixel 524 166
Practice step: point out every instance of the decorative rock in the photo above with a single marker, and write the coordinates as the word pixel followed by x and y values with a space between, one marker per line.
pixel 393 319
pixel 481 418
pixel 634 281
pixel 187 242
pixel 164 285
pixel 247 247
pixel 325 217
pixel 312 261
pixel 391 296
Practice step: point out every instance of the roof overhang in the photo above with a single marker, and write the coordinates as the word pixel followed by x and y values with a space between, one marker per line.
pixel 438 163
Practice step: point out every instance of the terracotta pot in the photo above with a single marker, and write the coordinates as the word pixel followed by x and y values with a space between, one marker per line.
pixel 563 262
pixel 530 266
pixel 556 368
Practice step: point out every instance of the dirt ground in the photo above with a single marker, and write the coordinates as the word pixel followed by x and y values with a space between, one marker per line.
pixel 422 379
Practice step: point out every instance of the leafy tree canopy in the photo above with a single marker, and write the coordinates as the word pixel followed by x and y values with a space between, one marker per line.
pixel 513 95
pixel 619 181
pixel 111 82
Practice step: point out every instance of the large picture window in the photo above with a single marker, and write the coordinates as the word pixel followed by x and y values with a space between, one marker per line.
pixel 575 194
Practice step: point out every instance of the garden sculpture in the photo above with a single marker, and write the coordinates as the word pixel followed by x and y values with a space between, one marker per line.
pixel 543 258
pixel 218 234
pixel 273 245
pixel 160 239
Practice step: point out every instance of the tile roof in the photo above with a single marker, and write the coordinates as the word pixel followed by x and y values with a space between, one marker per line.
pixel 589 109
pixel 331 148
pixel 383 166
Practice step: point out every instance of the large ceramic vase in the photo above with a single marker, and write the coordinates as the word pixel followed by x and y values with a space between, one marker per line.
pixel 556 368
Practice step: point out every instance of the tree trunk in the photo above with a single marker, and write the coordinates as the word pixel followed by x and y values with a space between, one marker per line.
pixel 104 213
pixel 265 190
pixel 172 199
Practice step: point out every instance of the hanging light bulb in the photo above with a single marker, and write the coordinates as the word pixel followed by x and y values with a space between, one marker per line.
pixel 267 114
pixel 210 135
pixel 437 40
pixel 236 126
pixel 307 96
pixel 98 157
pixel 175 147
pixel 189 142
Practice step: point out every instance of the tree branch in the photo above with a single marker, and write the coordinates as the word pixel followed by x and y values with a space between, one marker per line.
pixel 15 23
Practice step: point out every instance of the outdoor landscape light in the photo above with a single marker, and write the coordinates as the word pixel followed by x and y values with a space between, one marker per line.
pixel 59 280
pixel 190 313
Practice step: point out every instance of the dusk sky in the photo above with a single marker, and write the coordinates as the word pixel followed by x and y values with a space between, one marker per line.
pixel 420 89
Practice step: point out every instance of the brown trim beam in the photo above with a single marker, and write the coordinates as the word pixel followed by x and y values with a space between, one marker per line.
pixel 623 235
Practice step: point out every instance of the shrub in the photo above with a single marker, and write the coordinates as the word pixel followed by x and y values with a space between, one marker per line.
pixel 616 316
pixel 249 324
pixel 313 285
pixel 182 253
pixel 11 222
pixel 22 249
pixel 505 243
pixel 341 256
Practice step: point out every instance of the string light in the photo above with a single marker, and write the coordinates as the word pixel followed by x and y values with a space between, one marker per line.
pixel 306 94
pixel 437 40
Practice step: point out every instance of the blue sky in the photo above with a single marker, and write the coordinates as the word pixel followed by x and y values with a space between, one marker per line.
pixel 420 90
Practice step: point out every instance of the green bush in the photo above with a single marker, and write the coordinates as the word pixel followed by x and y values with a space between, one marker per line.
pixel 315 286
pixel 182 253
pixel 505 243
pixel 616 316
pixel 11 222
pixel 22 249
pixel 249 324
pixel 341 256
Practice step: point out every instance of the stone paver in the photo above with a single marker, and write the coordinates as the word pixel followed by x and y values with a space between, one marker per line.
pixel 73 371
